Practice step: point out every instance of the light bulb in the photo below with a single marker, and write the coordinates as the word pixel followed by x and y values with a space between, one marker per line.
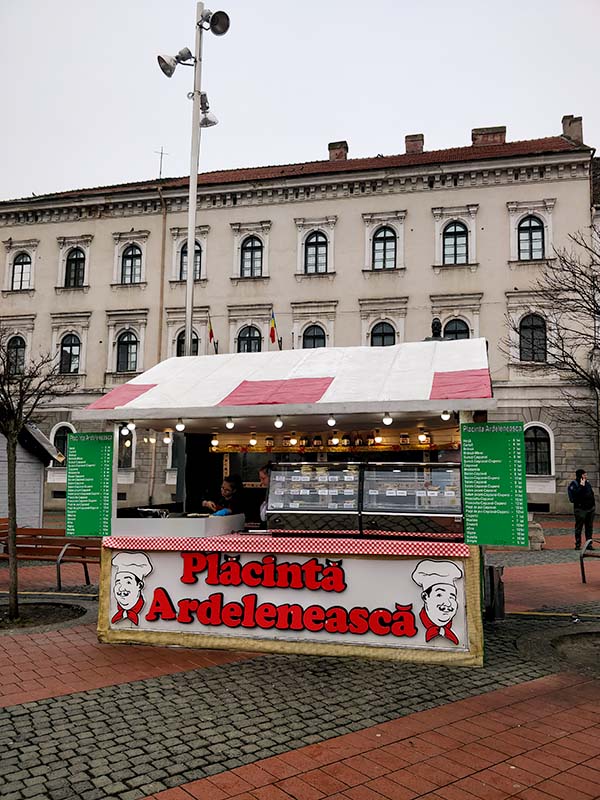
pixel 152 439
pixel 127 442
pixel 378 438
pixel 145 440
pixel 230 424
pixel 167 438
pixel 445 415
pixel 131 426
pixel 252 441
pixel 293 440
pixel 387 420
pixel 331 421
pixel 278 423
pixel 214 442
pixel 335 439
pixel 124 431
pixel 422 437
pixel 180 425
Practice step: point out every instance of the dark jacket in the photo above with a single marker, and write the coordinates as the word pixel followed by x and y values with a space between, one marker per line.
pixel 582 496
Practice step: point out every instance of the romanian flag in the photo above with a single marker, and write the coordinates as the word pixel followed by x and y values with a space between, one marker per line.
pixel 272 329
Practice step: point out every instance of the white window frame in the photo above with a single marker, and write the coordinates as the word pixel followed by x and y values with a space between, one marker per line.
pixel 119 322
pixel 464 306
pixel 517 211
pixel 241 231
pixel 122 242
pixel 542 484
pixel 176 324
pixel 386 309
pixel 313 312
pixel 77 323
pixel 19 325
pixel 518 305
pixel 179 237
pixel 258 315
pixel 65 245
pixel 443 216
pixel 13 247
pixel 57 473
pixel 384 219
pixel 305 226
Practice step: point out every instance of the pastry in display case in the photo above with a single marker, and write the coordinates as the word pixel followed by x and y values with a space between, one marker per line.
pixel 314 498
pixel 404 499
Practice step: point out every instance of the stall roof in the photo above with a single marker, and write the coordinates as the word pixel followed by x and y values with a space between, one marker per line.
pixel 358 382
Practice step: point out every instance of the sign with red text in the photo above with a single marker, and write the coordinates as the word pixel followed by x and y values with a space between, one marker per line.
pixel 408 602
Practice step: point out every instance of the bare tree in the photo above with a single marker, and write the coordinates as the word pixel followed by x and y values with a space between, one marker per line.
pixel 25 385
pixel 567 295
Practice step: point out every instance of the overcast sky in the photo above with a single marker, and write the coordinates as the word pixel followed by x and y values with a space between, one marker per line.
pixel 84 103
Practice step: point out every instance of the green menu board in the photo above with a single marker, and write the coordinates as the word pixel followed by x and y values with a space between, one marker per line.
pixel 493 477
pixel 89 484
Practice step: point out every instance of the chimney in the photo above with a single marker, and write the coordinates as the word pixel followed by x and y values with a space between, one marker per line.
pixel 414 142
pixel 338 151
pixel 483 136
pixel 573 128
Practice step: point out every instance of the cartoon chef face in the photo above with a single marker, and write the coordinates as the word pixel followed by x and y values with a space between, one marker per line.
pixel 440 603
pixel 131 569
pixel 438 592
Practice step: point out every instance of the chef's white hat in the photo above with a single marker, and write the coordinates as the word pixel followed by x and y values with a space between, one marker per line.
pixel 136 563
pixel 428 573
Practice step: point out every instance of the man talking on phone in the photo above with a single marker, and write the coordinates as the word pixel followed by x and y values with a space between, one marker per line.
pixel 581 495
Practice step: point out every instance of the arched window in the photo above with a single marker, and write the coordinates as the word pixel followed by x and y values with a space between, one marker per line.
pixel 125 456
pixel 75 268
pixel 531 239
pixel 131 264
pixel 127 352
pixel 252 257
pixel 315 253
pixel 313 336
pixel 16 355
pixel 249 340
pixel 21 272
pixel 383 335
pixel 537 451
pixel 181 344
pixel 456 329
pixel 61 436
pixel 532 338
pixel 384 248
pixel 70 351
pixel 456 248
pixel 183 261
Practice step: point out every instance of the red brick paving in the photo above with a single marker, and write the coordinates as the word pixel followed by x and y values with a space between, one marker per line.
pixel 534 741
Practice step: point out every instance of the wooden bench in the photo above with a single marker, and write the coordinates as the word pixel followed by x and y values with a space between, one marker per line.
pixel 587 552
pixel 51 544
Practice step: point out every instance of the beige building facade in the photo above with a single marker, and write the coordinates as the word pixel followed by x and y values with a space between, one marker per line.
pixel 342 252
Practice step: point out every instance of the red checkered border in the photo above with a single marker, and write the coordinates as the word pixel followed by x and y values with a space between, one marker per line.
pixel 297 545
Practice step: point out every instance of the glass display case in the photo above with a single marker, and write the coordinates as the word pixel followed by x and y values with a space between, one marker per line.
pixel 414 498
pixel 314 497
pixel 354 499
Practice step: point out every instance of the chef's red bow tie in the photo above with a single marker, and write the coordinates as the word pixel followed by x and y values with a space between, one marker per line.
pixel 132 613
pixel 432 630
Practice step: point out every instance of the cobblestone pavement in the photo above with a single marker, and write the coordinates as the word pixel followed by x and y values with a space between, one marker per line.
pixel 138 738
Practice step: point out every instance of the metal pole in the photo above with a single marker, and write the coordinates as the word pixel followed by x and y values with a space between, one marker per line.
pixel 192 200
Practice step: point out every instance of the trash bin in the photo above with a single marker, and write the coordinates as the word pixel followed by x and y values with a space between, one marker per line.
pixel 493 592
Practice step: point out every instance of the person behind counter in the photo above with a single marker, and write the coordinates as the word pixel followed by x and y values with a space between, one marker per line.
pixel 264 476
pixel 231 500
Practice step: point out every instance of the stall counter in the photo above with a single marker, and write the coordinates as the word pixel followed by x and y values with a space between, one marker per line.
pixel 390 599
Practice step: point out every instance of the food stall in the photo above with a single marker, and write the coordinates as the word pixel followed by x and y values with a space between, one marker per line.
pixel 363 552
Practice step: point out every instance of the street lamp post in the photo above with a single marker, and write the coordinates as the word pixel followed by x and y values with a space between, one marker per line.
pixel 218 23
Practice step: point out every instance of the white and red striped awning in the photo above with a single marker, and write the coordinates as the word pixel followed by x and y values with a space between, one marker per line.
pixel 415 377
